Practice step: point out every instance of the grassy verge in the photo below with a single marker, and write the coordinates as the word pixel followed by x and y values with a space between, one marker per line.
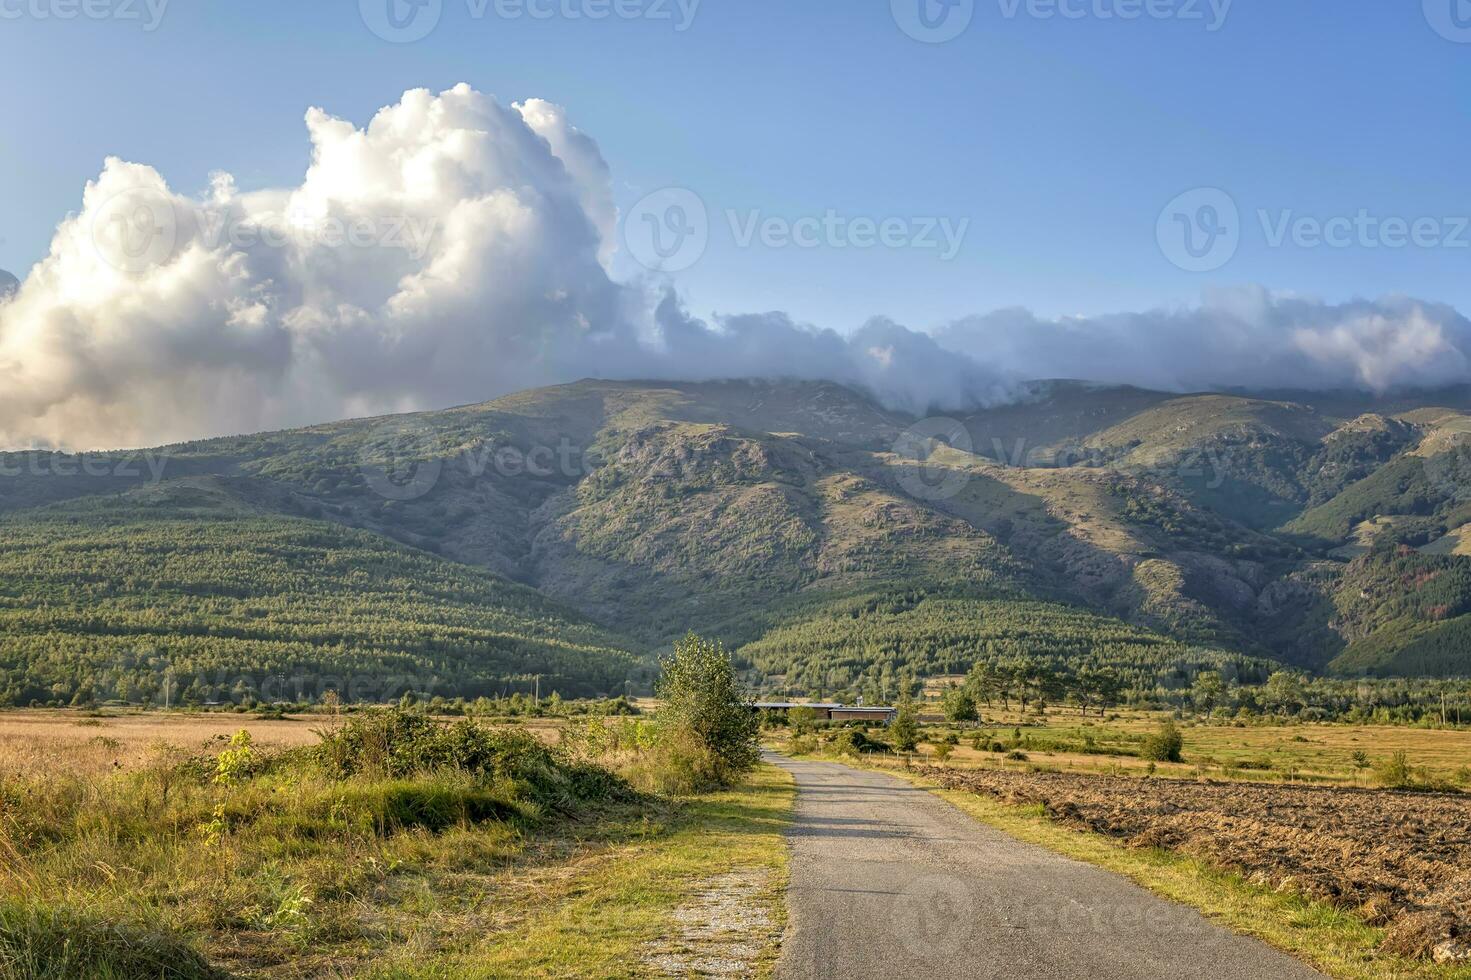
pixel 610 913
pixel 397 847
pixel 1334 940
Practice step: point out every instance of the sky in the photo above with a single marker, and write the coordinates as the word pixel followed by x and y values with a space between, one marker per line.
pixel 1066 158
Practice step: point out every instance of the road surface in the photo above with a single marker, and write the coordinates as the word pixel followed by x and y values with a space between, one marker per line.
pixel 890 881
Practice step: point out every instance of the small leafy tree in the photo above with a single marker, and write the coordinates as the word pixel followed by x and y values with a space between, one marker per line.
pixel 960 706
pixel 803 719
pixel 1164 745
pixel 1283 692
pixel 708 729
pixel 1208 690
pixel 234 763
pixel 904 732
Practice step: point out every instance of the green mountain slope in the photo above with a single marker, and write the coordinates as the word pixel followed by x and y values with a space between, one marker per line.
pixel 866 643
pixel 754 510
pixel 97 599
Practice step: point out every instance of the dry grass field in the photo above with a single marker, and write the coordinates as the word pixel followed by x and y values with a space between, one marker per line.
pixel 138 845
pixel 1321 753
pixel 41 741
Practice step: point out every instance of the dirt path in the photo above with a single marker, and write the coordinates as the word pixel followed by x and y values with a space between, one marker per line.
pixel 888 880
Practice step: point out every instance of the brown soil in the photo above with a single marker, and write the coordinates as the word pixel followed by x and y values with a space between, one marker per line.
pixel 1402 859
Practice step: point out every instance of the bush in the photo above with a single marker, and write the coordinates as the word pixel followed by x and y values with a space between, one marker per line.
pixel 854 741
pixel 1165 745
pixel 395 744
pixel 37 941
pixel 904 732
pixel 1396 772
pixel 708 732
pixel 959 706
pixel 803 719
pixel 801 745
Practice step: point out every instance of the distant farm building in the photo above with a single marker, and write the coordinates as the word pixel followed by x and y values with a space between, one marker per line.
pixel 877 714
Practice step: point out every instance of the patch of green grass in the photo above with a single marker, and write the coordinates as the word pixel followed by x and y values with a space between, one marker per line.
pixel 40 942
pixel 399 846
pixel 606 914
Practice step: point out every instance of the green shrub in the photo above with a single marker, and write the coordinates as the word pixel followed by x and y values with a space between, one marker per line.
pixel 801 745
pixel 959 706
pixel 854 741
pixel 1164 745
pixel 803 719
pixel 904 732
pixel 708 733
pixel 394 744
pixel 1396 772
pixel 43 943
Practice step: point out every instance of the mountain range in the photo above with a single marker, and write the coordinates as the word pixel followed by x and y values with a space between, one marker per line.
pixel 560 537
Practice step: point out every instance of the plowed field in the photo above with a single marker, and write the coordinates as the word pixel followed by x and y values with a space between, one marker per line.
pixel 1402 859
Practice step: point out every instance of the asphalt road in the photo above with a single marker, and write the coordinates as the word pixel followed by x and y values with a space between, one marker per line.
pixel 890 881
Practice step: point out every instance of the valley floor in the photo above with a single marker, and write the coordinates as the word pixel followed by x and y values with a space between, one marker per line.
pixel 286 875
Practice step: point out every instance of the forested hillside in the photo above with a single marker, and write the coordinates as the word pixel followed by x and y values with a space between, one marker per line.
pixel 100 603
pixel 870 644
pixel 570 533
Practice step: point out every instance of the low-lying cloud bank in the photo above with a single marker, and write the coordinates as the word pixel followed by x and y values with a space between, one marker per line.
pixel 455 249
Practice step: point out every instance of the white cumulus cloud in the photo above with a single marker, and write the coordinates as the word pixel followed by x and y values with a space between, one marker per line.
pixel 454 249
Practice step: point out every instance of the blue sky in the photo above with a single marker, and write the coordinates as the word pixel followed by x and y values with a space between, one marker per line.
pixel 1059 140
